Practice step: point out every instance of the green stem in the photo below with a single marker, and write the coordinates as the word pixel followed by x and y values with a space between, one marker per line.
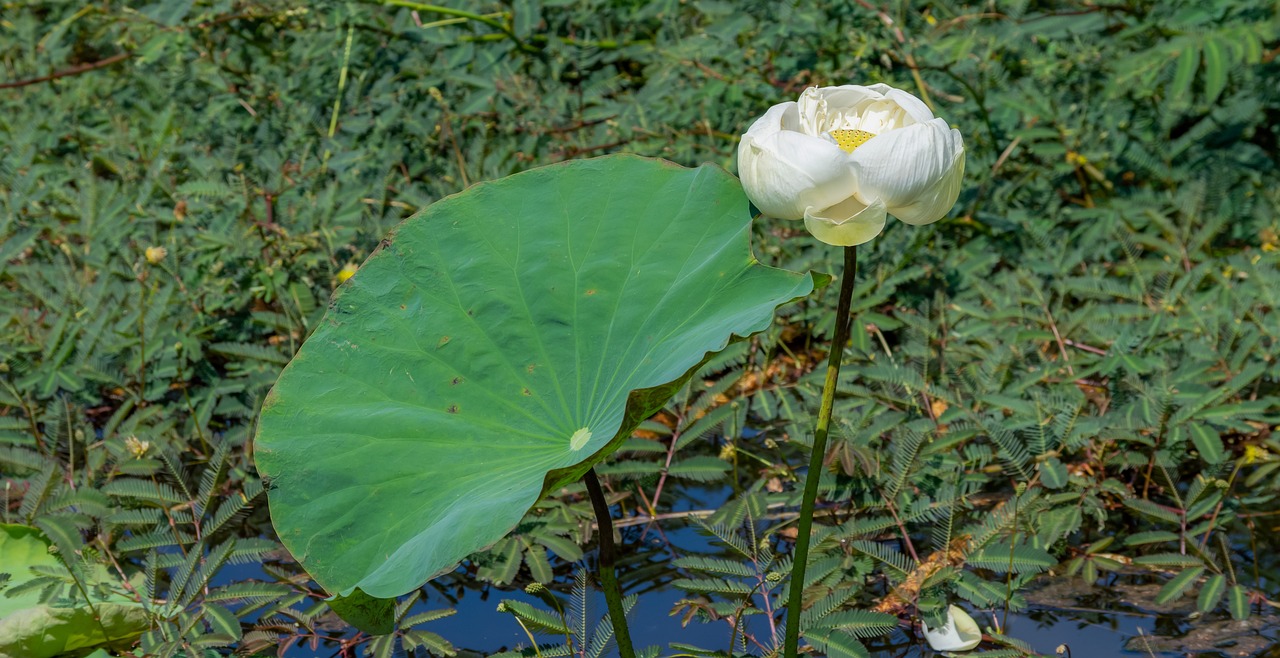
pixel 608 574
pixel 801 555
pixel 449 11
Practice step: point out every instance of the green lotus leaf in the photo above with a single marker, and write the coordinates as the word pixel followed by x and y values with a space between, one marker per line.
pixel 373 616
pixel 31 629
pixel 495 347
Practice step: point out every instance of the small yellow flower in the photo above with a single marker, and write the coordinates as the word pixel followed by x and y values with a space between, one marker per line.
pixel 346 272
pixel 156 254
pixel 136 448
pixel 1255 453
pixel 1270 238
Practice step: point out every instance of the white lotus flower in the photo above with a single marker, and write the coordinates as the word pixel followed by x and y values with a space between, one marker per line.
pixel 960 633
pixel 843 157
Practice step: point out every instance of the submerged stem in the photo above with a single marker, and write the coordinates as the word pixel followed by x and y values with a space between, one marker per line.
pixel 608 575
pixel 801 554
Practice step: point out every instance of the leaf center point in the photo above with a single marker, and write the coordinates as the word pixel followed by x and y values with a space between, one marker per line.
pixel 579 439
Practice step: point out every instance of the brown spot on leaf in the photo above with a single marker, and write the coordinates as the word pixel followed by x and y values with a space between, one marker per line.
pixel 526 392
pixel 531 367
pixel 444 340
pixel 457 380
pixel 453 409
pixel 591 291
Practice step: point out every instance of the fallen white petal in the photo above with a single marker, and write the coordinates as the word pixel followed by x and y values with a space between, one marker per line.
pixel 960 633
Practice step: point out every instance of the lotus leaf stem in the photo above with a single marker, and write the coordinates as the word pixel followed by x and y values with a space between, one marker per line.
pixel 608 573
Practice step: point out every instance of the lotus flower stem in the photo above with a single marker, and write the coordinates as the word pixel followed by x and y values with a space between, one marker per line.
pixel 608 574
pixel 816 458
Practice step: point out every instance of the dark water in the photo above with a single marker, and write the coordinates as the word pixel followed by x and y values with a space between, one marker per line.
pixel 1098 625
pixel 479 627
pixel 1111 618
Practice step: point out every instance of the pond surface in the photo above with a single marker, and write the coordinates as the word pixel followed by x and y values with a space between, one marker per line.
pixel 1093 623
pixel 1115 617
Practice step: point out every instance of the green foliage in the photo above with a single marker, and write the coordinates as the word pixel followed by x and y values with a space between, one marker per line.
pixel 405 637
pixel 745 584
pixel 1078 363
pixel 568 621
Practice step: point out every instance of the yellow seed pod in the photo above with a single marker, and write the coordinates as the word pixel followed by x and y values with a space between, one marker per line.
pixel 848 140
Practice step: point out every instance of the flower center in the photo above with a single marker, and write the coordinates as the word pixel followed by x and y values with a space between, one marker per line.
pixel 848 140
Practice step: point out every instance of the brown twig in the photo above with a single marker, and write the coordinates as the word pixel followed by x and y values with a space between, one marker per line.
pixel 706 69
pixel 657 527
pixel 1004 155
pixel 64 73
pixel 666 467
pixel 446 126
pixel 124 578
pixel 1088 348
pixel 1062 348
pixel 902 43
pixel 652 505
pixel 901 528
pixel 960 20
pixel 1213 520
pixel 227 18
